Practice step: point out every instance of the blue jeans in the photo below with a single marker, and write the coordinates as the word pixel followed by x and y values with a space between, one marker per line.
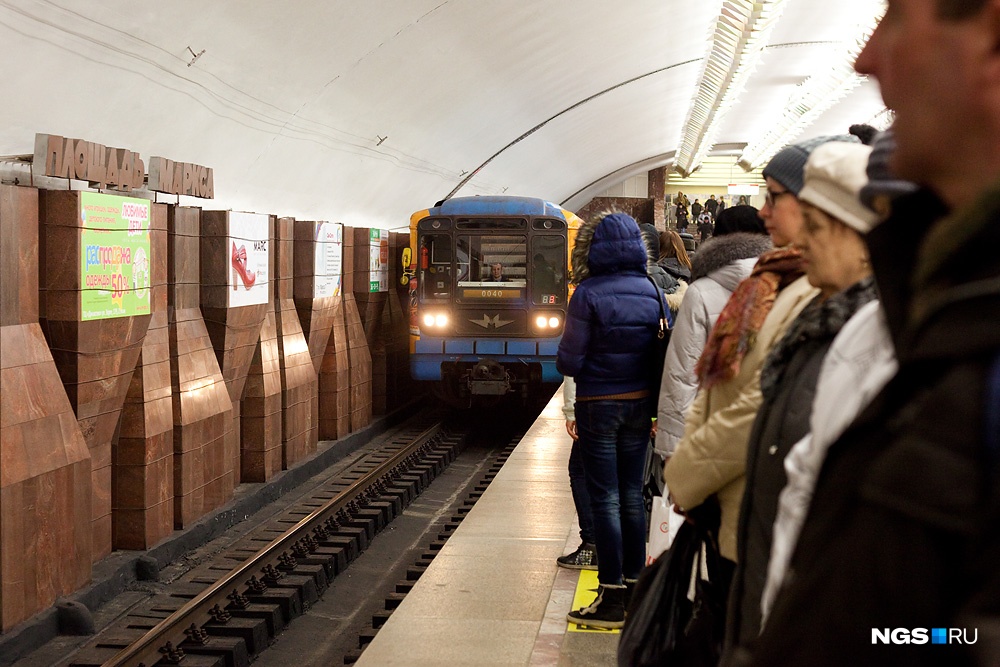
pixel 581 497
pixel 614 436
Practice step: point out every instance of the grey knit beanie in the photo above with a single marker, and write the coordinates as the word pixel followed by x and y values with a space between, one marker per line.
pixel 788 165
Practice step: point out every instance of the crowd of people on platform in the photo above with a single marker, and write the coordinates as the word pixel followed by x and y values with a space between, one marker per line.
pixel 832 381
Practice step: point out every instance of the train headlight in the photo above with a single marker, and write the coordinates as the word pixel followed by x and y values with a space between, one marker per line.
pixel 547 322
pixel 434 321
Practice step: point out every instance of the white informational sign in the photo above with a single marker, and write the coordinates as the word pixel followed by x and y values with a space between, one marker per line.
pixel 748 190
pixel 249 259
pixel 329 259
pixel 378 265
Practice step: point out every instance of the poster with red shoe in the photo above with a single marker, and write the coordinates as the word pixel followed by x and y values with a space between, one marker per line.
pixel 249 259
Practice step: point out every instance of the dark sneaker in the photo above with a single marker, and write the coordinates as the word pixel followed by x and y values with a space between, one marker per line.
pixel 607 611
pixel 584 558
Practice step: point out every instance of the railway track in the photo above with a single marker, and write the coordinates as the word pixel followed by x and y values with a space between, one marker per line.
pixel 226 611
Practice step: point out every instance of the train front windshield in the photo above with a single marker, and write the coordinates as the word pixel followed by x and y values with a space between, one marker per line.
pixel 493 260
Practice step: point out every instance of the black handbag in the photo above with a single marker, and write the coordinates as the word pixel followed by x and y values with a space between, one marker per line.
pixel 677 612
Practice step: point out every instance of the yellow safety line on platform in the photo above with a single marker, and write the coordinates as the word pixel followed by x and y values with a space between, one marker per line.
pixel 586 591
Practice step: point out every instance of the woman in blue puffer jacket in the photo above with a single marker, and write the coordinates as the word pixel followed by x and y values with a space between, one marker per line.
pixel 608 347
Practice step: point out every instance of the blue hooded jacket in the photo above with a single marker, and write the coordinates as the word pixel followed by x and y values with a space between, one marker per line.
pixel 608 343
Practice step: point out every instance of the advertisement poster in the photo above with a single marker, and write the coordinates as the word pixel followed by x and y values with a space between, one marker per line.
pixel 329 259
pixel 249 259
pixel 114 262
pixel 378 265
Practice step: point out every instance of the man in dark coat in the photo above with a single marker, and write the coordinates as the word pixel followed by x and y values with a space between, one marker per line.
pixel 901 545
pixel 712 206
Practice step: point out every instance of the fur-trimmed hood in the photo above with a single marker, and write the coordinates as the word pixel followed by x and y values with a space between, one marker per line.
pixel 720 251
pixel 608 243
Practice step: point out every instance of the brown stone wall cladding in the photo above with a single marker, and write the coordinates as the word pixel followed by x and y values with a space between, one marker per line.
pixel 45 470
pixel 640 209
pixel 202 408
pixel 298 375
pixel 235 332
pixel 398 327
pixel 95 358
pixel 142 495
pixel 315 313
pixel 359 357
pixel 260 456
pixel 261 411
pixel 335 380
pixel 657 180
pixel 371 307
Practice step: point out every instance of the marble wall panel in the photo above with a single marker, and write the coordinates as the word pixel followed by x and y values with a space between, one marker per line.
pixel 261 410
pixel 95 358
pixel 399 386
pixel 202 407
pixel 316 315
pixel 235 332
pixel 299 383
pixel 334 381
pixel 45 471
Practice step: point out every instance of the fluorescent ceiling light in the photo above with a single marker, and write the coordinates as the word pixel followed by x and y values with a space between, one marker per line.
pixel 813 97
pixel 741 33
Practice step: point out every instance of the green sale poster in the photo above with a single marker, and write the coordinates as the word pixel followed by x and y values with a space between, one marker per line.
pixel 115 261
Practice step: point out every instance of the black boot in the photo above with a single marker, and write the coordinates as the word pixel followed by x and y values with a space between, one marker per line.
pixel 607 611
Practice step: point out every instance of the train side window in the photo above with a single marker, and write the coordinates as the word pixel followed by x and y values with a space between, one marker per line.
pixel 435 257
pixel 548 270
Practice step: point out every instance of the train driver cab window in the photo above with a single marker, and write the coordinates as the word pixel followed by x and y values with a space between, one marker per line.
pixel 492 261
pixel 435 255
pixel 548 270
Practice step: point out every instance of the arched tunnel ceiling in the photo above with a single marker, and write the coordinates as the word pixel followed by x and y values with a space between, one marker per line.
pixel 288 102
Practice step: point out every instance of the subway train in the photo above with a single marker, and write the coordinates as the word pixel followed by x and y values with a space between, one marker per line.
pixel 488 287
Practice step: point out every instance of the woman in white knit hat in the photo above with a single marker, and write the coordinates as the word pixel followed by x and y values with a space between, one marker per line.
pixel 836 262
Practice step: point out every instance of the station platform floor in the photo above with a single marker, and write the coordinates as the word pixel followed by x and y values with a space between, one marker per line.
pixel 494 595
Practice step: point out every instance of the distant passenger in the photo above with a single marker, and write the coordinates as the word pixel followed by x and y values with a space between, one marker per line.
pixel 696 209
pixel 608 347
pixel 712 206
pixel 705 227
pixel 662 278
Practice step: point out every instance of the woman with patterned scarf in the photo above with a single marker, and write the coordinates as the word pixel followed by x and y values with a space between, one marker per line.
pixel 836 262
pixel 710 460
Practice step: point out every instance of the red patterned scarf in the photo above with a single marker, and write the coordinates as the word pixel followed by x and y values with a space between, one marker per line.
pixel 735 332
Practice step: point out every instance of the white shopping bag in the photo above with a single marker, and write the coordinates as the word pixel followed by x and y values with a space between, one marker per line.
pixel 664 523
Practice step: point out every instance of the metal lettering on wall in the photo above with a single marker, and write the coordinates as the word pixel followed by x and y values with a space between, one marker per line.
pixel 102 167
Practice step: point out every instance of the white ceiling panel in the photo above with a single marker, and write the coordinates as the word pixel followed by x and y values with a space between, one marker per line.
pixel 289 102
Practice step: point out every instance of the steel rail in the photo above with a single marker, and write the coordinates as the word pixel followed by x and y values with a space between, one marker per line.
pixel 146 651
